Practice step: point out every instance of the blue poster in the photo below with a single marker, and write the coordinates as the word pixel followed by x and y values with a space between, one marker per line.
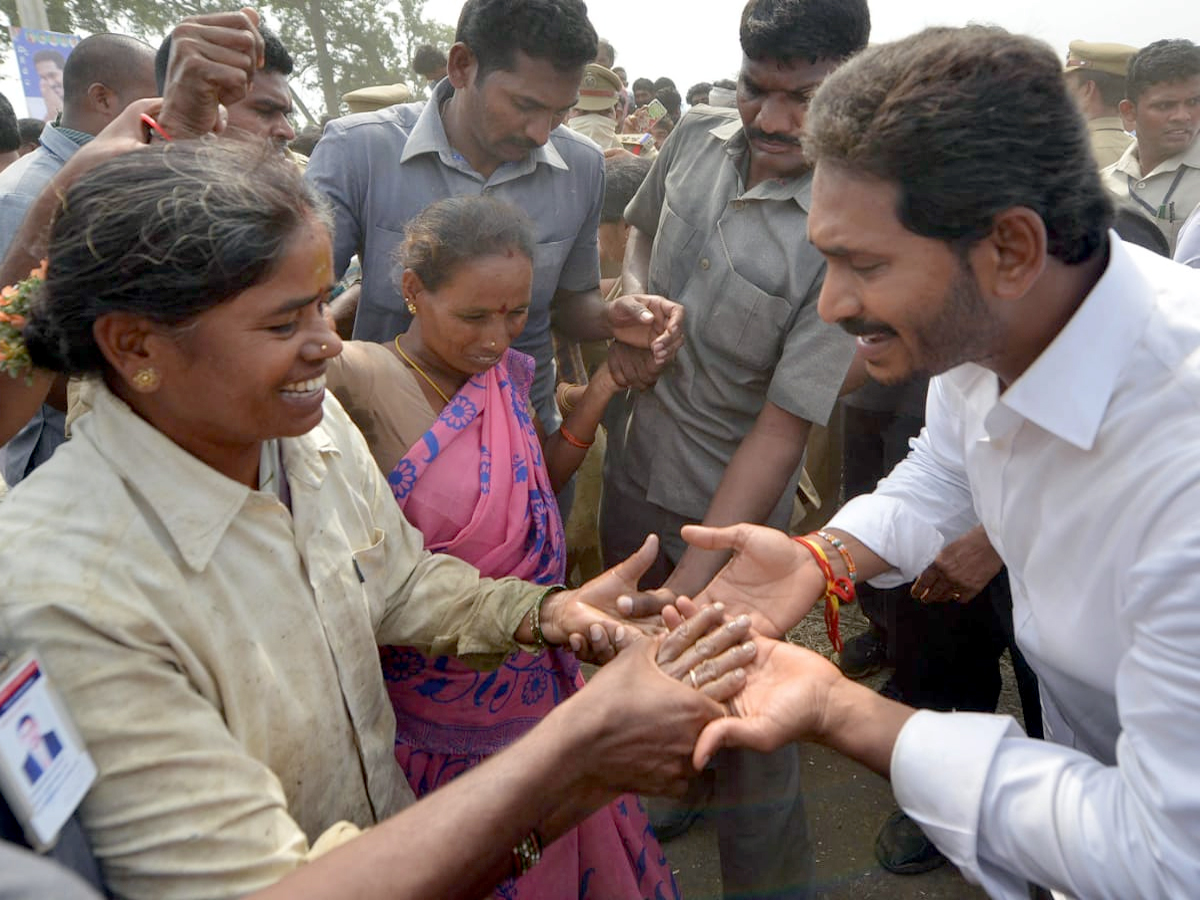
pixel 41 56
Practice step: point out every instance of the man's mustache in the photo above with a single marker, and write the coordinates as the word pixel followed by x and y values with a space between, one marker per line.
pixel 757 134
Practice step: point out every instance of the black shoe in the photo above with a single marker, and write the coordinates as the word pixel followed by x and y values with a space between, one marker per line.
pixel 672 818
pixel 864 654
pixel 901 847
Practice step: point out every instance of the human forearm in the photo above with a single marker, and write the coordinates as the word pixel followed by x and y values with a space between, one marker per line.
pixel 755 479
pixel 635 270
pixel 580 421
pixel 581 315
pixel 862 724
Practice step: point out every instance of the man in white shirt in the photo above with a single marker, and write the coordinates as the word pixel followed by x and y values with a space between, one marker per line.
pixel 965 233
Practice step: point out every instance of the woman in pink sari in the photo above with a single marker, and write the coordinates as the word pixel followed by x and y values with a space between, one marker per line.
pixel 445 408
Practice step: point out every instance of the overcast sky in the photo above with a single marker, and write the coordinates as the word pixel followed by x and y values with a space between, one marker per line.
pixel 693 42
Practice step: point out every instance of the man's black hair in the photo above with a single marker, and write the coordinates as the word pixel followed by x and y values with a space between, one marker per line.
pixel 557 31
pixel 643 84
pixel 623 175
pixel 804 30
pixel 1160 63
pixel 10 133
pixel 701 89
pixel 275 57
pixel 427 59
pixel 31 130
pixel 49 56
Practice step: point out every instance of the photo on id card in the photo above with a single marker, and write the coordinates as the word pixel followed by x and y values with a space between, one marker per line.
pixel 45 772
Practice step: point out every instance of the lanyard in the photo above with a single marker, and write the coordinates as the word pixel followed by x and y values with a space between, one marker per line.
pixel 1166 209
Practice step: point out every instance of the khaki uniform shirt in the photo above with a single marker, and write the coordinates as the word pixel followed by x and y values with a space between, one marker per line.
pixel 738 261
pixel 1166 196
pixel 600 128
pixel 218 649
pixel 1109 139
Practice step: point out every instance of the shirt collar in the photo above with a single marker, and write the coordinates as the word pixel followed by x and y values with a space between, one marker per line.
pixel 1130 163
pixel 737 147
pixel 62 142
pixel 429 136
pixel 195 503
pixel 1068 388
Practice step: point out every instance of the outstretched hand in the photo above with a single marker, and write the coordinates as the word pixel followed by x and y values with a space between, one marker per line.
pixel 770 577
pixel 588 618
pixel 785 699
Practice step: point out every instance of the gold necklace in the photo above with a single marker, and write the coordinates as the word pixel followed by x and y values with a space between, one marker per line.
pixel 433 384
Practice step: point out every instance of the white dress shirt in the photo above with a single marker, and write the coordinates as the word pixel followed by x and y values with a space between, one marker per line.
pixel 1086 475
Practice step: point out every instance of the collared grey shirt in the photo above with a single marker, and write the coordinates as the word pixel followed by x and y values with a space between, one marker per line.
pixel 739 262
pixel 380 169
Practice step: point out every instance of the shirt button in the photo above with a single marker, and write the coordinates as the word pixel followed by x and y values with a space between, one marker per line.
pixel 1141 185
pixel 739 205
pixel 704 263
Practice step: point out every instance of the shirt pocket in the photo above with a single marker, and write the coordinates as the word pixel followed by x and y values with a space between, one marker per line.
pixel 673 259
pixel 549 257
pixel 370 565
pixel 745 323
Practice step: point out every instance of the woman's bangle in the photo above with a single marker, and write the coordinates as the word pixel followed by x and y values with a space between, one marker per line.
pixel 834 541
pixel 837 591
pixel 535 615
pixel 526 854
pixel 572 440
pixel 565 406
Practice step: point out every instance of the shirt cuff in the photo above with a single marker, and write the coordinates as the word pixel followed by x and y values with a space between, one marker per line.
pixel 940 767
pixel 891 531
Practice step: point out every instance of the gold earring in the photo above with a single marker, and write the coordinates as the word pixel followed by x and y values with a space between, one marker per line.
pixel 146 380
pixel 412 307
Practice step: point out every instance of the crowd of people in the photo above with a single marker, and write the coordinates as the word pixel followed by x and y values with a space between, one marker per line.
pixel 333 456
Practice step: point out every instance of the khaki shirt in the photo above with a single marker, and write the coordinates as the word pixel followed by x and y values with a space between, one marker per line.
pixel 738 261
pixel 1109 139
pixel 218 650
pixel 1166 196
pixel 600 128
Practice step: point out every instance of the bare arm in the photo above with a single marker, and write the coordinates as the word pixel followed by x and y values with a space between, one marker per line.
pixel 754 480
pixel 563 457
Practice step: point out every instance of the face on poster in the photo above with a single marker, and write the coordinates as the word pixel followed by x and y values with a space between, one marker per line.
pixel 41 57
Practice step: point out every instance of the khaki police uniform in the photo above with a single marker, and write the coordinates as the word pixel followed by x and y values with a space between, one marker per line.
pixel 593 116
pixel 1166 196
pixel 1109 137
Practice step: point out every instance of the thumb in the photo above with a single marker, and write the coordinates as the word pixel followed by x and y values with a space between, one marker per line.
pixel 726 538
pixel 627 310
pixel 634 567
pixel 716 734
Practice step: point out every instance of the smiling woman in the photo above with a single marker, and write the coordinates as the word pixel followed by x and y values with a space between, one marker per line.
pixel 209 564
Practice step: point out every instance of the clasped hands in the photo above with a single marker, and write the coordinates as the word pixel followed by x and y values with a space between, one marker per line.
pixel 710 671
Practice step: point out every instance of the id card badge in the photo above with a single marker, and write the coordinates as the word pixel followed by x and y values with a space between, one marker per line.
pixel 45 771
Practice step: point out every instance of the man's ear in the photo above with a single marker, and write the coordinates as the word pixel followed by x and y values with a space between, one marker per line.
pixel 1012 256
pixel 461 66
pixel 1128 110
pixel 104 100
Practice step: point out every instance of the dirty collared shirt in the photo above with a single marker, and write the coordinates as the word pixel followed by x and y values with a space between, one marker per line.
pixel 740 263
pixel 218 649
pixel 1165 196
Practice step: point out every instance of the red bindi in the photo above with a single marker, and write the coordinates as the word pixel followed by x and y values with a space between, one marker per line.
pixel 503 310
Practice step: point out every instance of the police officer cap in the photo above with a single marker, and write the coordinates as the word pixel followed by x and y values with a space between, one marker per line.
pixel 1110 58
pixel 369 99
pixel 600 88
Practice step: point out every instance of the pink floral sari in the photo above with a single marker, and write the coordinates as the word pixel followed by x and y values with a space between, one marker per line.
pixel 477 488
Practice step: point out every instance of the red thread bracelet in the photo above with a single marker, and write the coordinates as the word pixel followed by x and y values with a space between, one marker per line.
pixel 837 591
pixel 572 440
pixel 150 122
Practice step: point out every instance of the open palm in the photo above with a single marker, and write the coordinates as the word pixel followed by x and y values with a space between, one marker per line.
pixel 770 577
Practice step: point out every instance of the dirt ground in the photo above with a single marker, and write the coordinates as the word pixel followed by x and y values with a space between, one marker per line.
pixel 846 805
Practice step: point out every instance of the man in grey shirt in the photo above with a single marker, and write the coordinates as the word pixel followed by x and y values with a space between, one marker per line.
pixel 103 75
pixel 718 226
pixel 494 125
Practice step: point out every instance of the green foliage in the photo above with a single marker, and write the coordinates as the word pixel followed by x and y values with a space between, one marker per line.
pixel 338 45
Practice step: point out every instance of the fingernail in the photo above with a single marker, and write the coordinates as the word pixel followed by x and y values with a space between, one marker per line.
pixel 739 674
pixel 620 633
pixel 718 605
pixel 596 632
pixel 576 643
pixel 624 605
pixel 749 646
pixel 743 619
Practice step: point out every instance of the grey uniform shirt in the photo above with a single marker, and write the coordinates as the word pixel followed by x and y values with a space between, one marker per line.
pixel 739 262
pixel 380 169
